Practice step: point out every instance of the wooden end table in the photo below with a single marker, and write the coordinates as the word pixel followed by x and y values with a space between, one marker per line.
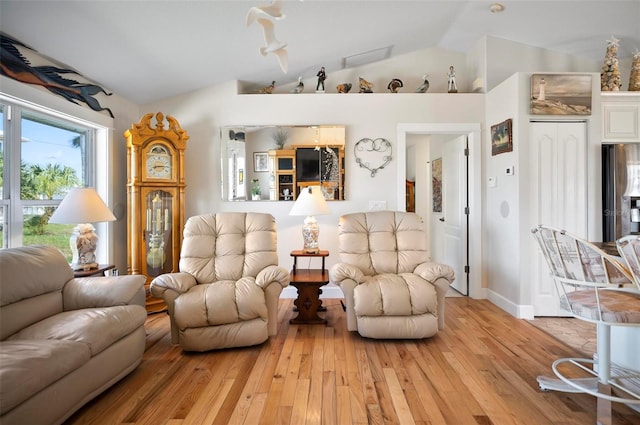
pixel 300 253
pixel 94 272
pixel 308 283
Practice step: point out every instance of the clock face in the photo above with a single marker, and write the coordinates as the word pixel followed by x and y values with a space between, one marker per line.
pixel 159 166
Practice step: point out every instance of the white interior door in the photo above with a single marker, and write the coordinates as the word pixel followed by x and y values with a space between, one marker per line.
pixel 473 232
pixel 558 190
pixel 452 223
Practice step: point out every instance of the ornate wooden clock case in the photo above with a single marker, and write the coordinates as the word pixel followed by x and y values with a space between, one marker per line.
pixel 155 199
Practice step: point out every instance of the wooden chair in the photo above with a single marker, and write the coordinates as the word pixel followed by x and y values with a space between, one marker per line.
pixel 598 288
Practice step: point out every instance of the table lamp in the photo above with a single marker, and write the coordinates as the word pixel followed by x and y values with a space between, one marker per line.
pixel 82 205
pixel 310 202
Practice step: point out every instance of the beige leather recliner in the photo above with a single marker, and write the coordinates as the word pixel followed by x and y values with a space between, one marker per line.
pixel 226 293
pixel 391 288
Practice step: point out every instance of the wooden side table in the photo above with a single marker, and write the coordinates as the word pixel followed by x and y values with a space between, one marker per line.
pixel 94 272
pixel 308 283
pixel 300 253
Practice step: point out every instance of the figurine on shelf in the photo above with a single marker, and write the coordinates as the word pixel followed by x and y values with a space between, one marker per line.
pixel 322 75
pixel 453 88
pixel 394 85
pixel 634 77
pixel 343 88
pixel 299 88
pixel 268 89
pixel 365 86
pixel 422 88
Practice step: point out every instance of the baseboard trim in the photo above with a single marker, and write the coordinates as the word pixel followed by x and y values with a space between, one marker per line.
pixel 520 311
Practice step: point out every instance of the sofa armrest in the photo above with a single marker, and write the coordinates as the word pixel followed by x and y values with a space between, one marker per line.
pixel 341 272
pixel 347 277
pixel 432 271
pixel 273 274
pixel 170 286
pixel 107 291
pixel 178 282
pixel 272 279
pixel 441 276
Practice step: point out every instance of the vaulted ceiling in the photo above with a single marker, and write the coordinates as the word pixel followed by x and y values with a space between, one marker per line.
pixel 146 50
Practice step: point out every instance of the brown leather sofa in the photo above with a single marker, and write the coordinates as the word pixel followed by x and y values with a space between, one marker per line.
pixel 63 340
pixel 226 293
pixel 391 288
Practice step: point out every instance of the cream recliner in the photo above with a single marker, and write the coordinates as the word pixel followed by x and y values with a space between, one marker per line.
pixel 226 293
pixel 391 288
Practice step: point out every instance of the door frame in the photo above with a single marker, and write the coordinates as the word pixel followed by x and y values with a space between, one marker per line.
pixel 474 135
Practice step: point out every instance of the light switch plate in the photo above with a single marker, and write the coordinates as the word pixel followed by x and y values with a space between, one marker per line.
pixel 492 182
pixel 377 205
pixel 510 171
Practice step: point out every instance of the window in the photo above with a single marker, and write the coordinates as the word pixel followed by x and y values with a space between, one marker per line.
pixel 42 156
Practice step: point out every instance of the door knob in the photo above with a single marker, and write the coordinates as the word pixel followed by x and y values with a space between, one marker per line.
pixel 441 219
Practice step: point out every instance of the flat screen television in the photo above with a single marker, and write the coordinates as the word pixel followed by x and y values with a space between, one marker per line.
pixel 307 165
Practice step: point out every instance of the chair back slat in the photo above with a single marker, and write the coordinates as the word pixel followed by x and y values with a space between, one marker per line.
pixel 575 260
pixel 629 249
pixel 579 265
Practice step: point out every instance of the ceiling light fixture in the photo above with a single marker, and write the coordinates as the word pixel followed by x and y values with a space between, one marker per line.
pixel 496 8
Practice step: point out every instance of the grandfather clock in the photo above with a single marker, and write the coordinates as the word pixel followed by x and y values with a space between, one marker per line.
pixel 155 198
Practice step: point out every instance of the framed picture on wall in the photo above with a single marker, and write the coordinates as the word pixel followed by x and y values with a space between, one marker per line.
pixel 436 184
pixel 501 138
pixel 260 162
pixel 560 94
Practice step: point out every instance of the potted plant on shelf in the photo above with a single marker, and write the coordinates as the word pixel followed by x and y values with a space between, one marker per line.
pixel 255 190
pixel 280 137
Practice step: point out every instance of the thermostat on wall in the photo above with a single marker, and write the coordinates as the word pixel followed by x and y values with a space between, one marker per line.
pixel 509 171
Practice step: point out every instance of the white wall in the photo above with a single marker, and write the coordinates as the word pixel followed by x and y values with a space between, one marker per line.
pixel 418 170
pixel 365 115
pixel 508 218
pixel 422 164
pixel 501 223
pixel 202 113
pixel 409 67
pixel 502 55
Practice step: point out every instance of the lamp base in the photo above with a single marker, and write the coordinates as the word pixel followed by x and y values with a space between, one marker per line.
pixel 311 250
pixel 310 232
pixel 83 243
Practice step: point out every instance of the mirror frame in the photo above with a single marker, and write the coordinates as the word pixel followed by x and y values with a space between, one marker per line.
pixel 264 162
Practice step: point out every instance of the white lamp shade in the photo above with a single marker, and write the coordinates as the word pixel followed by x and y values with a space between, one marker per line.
pixel 310 202
pixel 82 205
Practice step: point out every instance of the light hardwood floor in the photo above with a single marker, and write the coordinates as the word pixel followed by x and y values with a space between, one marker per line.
pixel 480 370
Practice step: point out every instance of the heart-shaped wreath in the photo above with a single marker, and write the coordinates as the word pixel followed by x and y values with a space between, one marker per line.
pixel 373 152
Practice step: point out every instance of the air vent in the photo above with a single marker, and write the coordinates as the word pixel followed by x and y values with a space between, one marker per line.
pixel 365 58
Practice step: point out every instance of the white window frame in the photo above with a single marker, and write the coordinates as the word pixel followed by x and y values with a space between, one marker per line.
pixel 100 171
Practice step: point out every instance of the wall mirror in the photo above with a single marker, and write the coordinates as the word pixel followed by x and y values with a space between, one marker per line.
pixel 273 163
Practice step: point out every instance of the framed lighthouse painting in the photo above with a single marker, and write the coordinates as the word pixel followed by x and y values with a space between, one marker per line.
pixel 561 94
